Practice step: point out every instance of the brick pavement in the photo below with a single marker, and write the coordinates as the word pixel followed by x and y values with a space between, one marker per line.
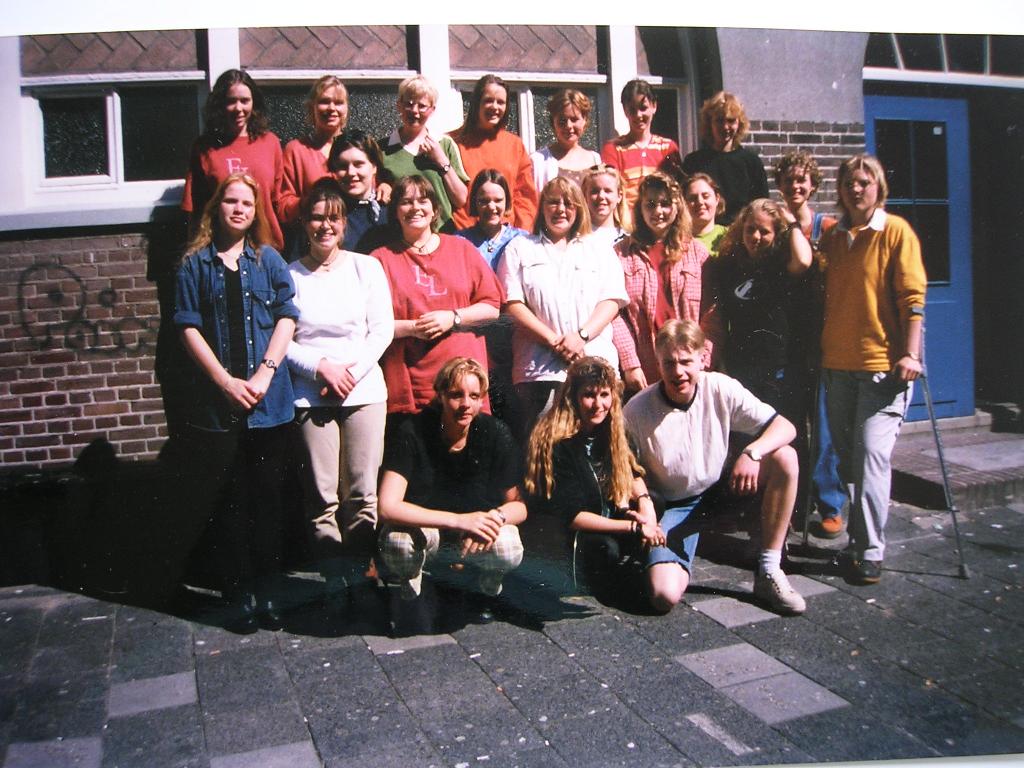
pixel 922 665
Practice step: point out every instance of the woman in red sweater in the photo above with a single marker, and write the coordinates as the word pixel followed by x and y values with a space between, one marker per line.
pixel 236 140
pixel 305 159
pixel 484 143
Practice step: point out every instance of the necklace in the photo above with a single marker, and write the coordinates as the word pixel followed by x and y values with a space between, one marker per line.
pixel 427 247
pixel 327 263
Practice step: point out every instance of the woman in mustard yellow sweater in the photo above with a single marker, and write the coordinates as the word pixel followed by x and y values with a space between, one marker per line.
pixel 871 348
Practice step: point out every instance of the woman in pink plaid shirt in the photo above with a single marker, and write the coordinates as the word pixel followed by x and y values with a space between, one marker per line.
pixel 663 267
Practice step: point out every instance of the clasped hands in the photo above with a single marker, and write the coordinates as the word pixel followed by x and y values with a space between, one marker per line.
pixel 479 531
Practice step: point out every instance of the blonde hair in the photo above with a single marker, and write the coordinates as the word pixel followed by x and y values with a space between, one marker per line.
pixel 872 167
pixel 318 90
pixel 679 232
pixel 619 212
pixel 563 421
pixel 457 369
pixel 723 103
pixel 732 243
pixel 568 190
pixel 258 234
pixel 416 86
pixel 679 334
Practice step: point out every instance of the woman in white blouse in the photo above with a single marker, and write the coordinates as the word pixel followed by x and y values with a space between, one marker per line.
pixel 345 324
pixel 562 290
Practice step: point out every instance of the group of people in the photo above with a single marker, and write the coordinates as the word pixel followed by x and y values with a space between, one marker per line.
pixel 460 330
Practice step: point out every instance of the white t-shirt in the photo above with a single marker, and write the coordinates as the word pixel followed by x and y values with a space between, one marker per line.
pixel 545 167
pixel 345 315
pixel 561 287
pixel 684 449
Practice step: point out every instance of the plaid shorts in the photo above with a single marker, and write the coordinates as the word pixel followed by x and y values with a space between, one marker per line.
pixel 405 550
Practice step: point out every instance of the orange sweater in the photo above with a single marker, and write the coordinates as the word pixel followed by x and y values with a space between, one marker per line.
pixel 504 152
pixel 873 286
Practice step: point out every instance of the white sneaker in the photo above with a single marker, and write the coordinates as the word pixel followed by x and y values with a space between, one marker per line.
pixel 775 589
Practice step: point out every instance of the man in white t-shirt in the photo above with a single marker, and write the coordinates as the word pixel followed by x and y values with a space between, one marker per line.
pixel 680 429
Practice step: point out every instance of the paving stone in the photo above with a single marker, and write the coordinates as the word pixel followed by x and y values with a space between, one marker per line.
pixel 210 640
pixel 958 730
pixel 69 753
pixel 388 645
pixel 732 665
pixel 569 695
pixel 162 737
pixel 402 755
pixel 704 724
pixel 247 701
pixel 148 644
pixel 784 697
pixel 997 691
pixel 491 736
pixel 19 627
pixel 300 754
pixel 610 738
pixel 161 692
pixel 349 705
pixel 60 707
pixel 852 735
pixel 730 612
pixel 683 630
pixel 75 637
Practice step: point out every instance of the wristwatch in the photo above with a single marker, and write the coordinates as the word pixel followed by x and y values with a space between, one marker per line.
pixel 269 363
pixel 584 334
pixel 456 319
pixel 754 454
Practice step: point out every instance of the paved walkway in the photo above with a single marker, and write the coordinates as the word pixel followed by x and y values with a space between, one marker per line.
pixel 923 665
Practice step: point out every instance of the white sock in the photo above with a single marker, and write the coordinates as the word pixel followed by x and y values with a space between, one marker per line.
pixel 770 561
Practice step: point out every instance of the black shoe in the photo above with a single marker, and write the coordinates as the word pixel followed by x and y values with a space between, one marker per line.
pixel 242 614
pixel 270 614
pixel 865 571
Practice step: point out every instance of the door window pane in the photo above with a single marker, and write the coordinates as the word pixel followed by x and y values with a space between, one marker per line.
pixel 930 170
pixel 892 147
pixel 75 136
pixel 158 125
pixel 931 223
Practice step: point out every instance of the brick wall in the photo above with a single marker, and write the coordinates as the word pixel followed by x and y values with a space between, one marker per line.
pixel 78 328
pixel 830 143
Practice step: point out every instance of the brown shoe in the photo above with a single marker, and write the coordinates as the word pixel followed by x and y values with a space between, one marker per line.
pixel 831 527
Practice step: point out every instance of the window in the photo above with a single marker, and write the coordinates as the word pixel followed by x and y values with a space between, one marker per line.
pixel 113 135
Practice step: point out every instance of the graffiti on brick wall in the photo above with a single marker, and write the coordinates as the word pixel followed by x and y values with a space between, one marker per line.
pixel 82 320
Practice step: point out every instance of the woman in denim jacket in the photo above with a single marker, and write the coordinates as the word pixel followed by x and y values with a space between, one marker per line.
pixel 235 316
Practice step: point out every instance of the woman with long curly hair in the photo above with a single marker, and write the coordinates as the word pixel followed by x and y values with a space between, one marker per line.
pixel 236 140
pixel 580 467
pixel 663 265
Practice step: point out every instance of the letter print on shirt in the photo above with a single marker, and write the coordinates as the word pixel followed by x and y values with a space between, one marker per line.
pixel 428 281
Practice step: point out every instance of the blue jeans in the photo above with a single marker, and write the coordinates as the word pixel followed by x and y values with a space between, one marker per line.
pixel 828 488
pixel 680 522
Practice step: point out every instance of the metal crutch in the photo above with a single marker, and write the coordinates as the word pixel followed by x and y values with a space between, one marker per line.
pixel 950 505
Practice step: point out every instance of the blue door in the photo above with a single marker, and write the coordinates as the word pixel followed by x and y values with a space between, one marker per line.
pixel 922 143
